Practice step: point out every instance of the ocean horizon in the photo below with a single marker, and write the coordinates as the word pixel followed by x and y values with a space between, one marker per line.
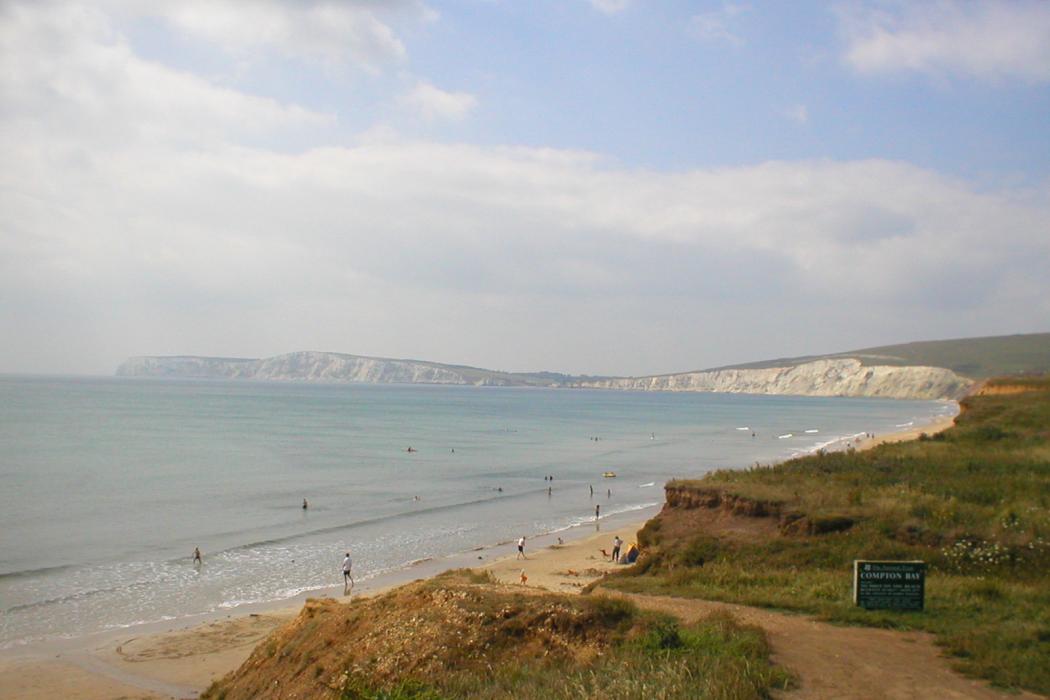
pixel 110 483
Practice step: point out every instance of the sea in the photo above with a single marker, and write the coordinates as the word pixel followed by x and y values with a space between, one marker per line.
pixel 108 484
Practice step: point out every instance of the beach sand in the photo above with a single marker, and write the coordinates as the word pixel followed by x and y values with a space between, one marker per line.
pixel 565 568
pixel 181 663
pixel 913 433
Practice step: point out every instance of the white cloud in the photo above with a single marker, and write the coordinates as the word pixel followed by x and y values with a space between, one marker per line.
pixel 988 40
pixel 135 217
pixel 610 7
pixel 326 32
pixel 70 72
pixel 434 103
pixel 717 26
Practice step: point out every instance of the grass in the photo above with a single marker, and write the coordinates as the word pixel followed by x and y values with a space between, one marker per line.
pixel 973 502
pixel 977 358
pixel 654 657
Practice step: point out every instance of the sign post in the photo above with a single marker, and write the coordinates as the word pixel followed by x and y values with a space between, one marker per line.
pixel 889 585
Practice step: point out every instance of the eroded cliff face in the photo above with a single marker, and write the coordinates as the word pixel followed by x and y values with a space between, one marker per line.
pixel 840 377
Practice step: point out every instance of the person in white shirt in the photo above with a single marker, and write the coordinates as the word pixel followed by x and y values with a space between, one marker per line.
pixel 348 580
pixel 521 548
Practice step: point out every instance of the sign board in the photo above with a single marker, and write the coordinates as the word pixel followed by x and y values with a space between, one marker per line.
pixel 889 585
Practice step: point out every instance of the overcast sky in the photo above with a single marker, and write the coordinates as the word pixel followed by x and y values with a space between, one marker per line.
pixel 602 186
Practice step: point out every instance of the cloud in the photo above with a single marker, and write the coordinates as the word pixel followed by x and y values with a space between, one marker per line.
pixel 70 72
pixel 716 26
pixel 137 216
pixel 434 103
pixel 324 32
pixel 610 7
pixel 984 40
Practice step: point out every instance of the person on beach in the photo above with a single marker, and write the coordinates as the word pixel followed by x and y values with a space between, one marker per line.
pixel 348 580
pixel 592 491
pixel 616 549
pixel 197 561
pixel 305 504
pixel 597 511
pixel 521 548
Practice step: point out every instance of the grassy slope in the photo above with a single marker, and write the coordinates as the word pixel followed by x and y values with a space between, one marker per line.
pixel 977 358
pixel 974 502
pixel 459 636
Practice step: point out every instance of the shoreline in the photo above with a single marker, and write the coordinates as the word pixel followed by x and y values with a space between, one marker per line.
pixel 180 658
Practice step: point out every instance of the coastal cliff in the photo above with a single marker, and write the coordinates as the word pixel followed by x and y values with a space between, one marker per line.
pixel 844 377
pixel 311 367
pixel 825 377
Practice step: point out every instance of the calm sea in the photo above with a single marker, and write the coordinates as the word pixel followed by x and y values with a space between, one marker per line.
pixel 107 485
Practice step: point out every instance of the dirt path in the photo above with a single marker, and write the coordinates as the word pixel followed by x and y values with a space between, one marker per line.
pixel 851 663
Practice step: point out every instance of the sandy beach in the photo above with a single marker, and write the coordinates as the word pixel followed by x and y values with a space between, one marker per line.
pixel 173 662
pixel 911 433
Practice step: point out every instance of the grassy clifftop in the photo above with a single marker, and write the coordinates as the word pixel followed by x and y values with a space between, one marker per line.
pixel 973 502
pixel 977 358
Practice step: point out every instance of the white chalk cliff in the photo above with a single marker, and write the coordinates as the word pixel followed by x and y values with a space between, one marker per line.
pixel 833 377
pixel 823 377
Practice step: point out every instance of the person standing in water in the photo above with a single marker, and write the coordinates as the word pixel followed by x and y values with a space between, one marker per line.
pixel 348 580
pixel 305 504
pixel 597 511
pixel 197 561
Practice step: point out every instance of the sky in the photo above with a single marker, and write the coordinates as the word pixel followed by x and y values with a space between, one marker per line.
pixel 590 186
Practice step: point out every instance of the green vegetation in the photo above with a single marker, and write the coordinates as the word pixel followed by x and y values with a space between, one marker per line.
pixel 462 635
pixel 652 656
pixel 977 358
pixel 973 502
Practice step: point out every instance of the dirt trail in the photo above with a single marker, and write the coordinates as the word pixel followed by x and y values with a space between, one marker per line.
pixel 851 663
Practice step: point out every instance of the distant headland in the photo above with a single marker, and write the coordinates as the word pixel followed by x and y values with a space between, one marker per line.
pixel 942 369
